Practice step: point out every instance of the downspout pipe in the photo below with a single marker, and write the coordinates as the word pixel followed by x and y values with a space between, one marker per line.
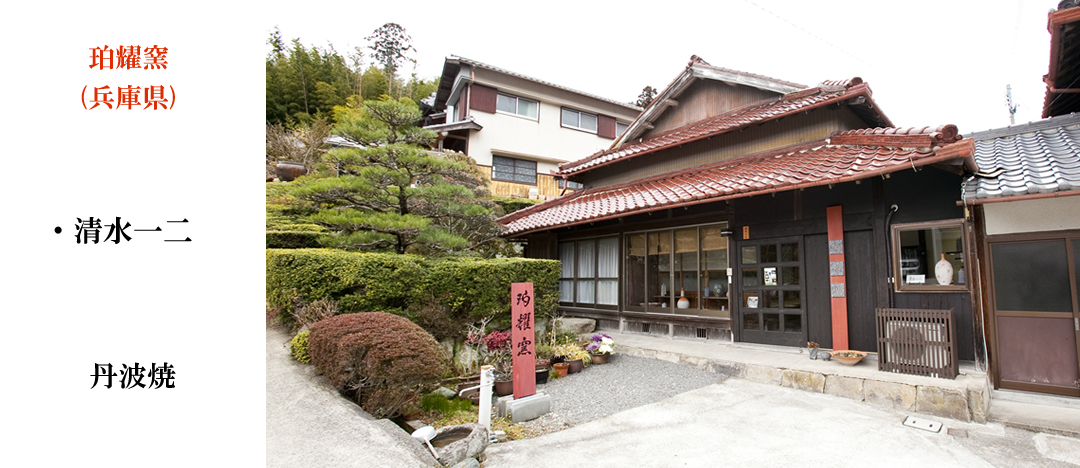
pixel 888 254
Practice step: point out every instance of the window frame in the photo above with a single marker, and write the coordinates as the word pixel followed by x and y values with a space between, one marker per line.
pixel 596 278
pixel 517 106
pixel 569 184
pixel 625 128
pixel 897 272
pixel 536 170
pixel 562 121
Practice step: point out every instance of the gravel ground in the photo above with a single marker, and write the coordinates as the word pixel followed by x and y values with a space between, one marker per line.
pixel 623 383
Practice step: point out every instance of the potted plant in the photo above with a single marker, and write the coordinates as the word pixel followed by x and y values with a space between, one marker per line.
pixel 497 344
pixel 574 355
pixel 561 368
pixel 600 347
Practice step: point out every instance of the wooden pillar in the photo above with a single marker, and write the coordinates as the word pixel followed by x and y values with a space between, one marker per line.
pixel 837 277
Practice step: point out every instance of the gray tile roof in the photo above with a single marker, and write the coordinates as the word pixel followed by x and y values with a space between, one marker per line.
pixel 1035 158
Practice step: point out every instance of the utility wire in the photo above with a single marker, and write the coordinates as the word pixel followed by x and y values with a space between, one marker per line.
pixel 815 36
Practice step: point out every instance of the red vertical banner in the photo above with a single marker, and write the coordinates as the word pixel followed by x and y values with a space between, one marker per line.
pixel 523 338
pixel 834 217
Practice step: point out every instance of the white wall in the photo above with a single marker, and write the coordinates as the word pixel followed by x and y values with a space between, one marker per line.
pixel 1045 214
pixel 544 140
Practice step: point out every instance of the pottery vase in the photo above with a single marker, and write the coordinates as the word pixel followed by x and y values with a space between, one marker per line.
pixel 943 271
pixel 287 171
pixel 575 366
pixel 683 303
pixel 600 358
pixel 504 387
pixel 561 368
pixel 542 374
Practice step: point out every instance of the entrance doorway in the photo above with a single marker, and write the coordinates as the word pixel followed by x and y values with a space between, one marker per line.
pixel 1036 314
pixel 771 291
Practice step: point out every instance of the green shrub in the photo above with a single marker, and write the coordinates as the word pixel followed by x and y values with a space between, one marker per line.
pixel 510 205
pixel 292 239
pixel 380 360
pixel 299 347
pixel 481 287
pixel 357 281
pixel 445 406
pixel 463 289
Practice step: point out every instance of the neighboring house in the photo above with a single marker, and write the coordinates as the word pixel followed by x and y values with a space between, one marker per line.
pixel 1027 216
pixel 742 206
pixel 520 128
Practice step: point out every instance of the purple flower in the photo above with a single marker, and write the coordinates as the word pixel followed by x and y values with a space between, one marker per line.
pixel 592 346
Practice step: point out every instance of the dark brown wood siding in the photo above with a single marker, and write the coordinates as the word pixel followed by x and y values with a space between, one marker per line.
pixel 605 126
pixel 483 98
pixel 705 99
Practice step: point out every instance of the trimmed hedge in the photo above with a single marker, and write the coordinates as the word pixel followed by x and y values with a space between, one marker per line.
pixel 469 288
pixel 510 205
pixel 292 239
pixel 381 361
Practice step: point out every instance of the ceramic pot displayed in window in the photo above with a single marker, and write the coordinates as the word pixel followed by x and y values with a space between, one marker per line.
pixel 943 271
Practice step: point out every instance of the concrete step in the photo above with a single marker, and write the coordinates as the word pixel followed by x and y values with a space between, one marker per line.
pixel 1038 413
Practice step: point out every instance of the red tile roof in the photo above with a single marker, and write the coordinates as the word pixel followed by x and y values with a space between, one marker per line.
pixel 846 156
pixel 827 93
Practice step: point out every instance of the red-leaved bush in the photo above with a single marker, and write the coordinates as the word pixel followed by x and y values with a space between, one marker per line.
pixel 382 361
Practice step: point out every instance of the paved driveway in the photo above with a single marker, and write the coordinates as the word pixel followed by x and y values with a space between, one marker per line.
pixel 740 423
pixel 309 425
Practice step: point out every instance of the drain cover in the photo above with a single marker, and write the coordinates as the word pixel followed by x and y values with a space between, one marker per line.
pixel 924 424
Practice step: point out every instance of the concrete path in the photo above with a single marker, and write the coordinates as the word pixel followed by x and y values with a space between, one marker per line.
pixel 310 425
pixel 741 423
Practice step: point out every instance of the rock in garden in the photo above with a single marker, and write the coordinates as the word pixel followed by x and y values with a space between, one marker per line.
pixel 470 463
pixel 446 392
pixel 466 441
pixel 578 326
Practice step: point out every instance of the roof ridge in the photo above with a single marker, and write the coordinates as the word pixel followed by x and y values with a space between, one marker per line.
pixel 632 148
pixel 537 80
pixel 1047 123
pixel 695 60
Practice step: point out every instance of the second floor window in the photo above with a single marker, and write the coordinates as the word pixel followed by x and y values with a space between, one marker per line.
pixel 517 105
pixel 579 120
pixel 513 170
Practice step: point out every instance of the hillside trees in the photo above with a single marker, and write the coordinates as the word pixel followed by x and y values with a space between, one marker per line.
pixel 304 83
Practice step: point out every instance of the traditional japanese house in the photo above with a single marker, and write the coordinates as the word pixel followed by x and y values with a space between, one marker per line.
pixel 743 207
pixel 1027 215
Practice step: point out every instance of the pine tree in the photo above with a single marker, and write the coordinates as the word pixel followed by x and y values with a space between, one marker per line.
pixel 392 194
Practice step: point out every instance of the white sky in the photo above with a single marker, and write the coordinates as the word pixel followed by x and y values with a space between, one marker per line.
pixel 928 62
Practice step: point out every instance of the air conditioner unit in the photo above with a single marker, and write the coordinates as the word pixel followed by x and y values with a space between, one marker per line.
pixel 918 343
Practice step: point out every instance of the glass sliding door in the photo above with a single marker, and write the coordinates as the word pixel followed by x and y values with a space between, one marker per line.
pixel 634 272
pixel 662 266
pixel 714 276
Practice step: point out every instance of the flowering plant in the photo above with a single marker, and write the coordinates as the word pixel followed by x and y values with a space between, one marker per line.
pixel 601 343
